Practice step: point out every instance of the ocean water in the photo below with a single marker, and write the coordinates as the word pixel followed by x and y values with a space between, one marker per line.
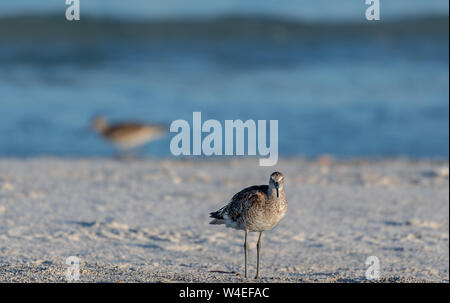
pixel 337 85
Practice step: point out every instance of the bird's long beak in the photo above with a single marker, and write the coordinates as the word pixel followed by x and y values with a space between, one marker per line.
pixel 276 187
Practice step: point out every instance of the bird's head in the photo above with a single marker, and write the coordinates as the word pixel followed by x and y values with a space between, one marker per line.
pixel 99 124
pixel 276 182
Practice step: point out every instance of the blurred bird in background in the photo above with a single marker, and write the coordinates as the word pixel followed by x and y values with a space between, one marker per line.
pixel 127 136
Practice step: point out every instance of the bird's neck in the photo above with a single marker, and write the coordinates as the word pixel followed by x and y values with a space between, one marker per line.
pixel 272 194
pixel 101 127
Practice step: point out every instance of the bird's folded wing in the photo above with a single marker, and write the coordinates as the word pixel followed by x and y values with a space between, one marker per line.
pixel 250 197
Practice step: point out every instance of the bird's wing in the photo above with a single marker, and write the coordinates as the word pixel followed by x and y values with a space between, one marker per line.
pixel 123 129
pixel 254 196
pixel 126 128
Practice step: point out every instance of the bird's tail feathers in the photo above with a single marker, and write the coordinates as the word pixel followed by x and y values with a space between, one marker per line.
pixel 217 216
pixel 217 221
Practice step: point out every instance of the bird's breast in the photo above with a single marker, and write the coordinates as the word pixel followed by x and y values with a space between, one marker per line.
pixel 266 219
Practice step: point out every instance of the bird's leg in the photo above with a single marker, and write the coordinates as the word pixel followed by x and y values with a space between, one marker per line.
pixel 139 152
pixel 246 252
pixel 258 248
pixel 126 155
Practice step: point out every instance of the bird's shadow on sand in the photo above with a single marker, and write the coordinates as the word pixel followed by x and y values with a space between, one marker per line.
pixel 225 272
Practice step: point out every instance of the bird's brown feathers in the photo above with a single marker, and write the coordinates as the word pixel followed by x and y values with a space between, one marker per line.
pixel 248 198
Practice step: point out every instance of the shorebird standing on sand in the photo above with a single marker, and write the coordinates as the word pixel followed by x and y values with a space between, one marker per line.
pixel 254 209
pixel 127 136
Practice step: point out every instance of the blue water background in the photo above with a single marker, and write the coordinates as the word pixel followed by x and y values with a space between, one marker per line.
pixel 345 96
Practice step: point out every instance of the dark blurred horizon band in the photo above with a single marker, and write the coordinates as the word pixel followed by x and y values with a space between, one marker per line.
pixel 301 10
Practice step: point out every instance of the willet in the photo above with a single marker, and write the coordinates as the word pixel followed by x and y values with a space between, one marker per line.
pixel 127 136
pixel 255 209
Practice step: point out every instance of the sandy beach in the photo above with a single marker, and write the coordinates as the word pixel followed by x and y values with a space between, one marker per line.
pixel 147 220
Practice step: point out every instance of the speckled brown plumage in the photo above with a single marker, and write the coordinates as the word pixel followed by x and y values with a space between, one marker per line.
pixel 254 209
pixel 127 135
